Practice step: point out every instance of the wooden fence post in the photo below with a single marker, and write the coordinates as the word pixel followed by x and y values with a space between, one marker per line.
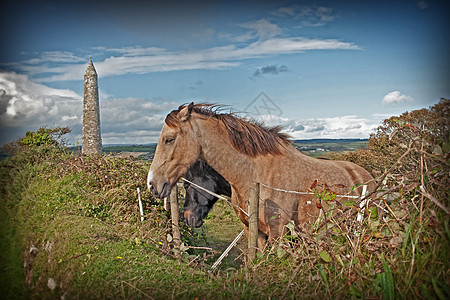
pixel 175 215
pixel 253 211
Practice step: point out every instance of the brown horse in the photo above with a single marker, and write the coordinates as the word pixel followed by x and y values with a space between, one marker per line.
pixel 244 152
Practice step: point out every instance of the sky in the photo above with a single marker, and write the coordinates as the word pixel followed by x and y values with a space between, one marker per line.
pixel 321 69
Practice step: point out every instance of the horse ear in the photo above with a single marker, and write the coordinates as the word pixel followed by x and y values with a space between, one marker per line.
pixel 185 112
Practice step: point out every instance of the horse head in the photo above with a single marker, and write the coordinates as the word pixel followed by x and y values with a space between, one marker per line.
pixel 198 203
pixel 176 152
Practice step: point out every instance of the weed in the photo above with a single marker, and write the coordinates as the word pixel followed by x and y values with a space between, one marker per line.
pixel 75 219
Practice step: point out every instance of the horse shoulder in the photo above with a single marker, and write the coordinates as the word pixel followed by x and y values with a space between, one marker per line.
pixel 352 167
pixel 355 174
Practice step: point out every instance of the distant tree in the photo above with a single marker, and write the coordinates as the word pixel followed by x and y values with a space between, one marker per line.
pixel 43 137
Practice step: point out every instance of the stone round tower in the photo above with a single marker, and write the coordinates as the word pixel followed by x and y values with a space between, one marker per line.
pixel 91 142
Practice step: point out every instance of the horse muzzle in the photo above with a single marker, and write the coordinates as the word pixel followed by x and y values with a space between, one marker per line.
pixel 162 192
pixel 192 220
pixel 158 190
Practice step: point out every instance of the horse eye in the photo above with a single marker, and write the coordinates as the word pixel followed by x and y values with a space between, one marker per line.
pixel 169 140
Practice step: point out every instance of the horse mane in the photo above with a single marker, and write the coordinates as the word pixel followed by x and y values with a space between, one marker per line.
pixel 247 136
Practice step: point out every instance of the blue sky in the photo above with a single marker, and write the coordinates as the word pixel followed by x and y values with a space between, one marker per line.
pixel 332 70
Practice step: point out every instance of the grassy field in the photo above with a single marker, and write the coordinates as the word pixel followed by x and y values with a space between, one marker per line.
pixel 129 148
pixel 318 148
pixel 315 148
pixel 73 223
pixel 70 227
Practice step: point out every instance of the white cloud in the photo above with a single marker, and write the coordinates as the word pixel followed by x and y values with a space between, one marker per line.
pixel 262 38
pixel 285 11
pixel 262 29
pixel 334 128
pixel 27 105
pixel 57 56
pixel 25 101
pixel 163 61
pixel 382 116
pixel 308 15
pixel 136 51
pixel 132 120
pixel 396 97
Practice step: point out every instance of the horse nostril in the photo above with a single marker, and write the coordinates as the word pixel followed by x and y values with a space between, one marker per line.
pixel 186 217
pixel 151 187
pixel 190 219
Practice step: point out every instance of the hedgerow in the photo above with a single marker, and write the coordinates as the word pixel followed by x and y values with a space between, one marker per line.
pixel 81 214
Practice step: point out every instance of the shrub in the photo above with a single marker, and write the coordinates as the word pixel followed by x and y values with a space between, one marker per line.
pixel 409 156
pixel 49 137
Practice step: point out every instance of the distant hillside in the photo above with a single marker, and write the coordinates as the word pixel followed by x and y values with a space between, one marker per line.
pixel 320 147
pixel 129 148
pixel 313 147
pixel 313 141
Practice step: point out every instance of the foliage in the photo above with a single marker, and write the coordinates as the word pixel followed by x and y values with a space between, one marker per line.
pixel 45 137
pixel 412 153
pixel 54 199
pixel 81 213
pixel 429 128
pixel 402 250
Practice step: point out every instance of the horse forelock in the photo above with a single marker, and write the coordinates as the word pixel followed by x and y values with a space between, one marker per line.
pixel 247 136
pixel 172 119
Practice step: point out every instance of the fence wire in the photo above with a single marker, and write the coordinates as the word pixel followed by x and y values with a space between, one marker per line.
pixel 233 243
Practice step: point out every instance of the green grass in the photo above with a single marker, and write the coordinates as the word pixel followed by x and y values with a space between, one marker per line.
pixel 82 215
pixel 90 239
pixel 220 228
pixel 322 148
pixel 130 148
pixel 11 268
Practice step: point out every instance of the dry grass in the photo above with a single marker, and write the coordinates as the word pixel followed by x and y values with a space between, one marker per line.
pixel 81 214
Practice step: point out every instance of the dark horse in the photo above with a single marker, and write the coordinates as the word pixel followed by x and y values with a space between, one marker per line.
pixel 198 203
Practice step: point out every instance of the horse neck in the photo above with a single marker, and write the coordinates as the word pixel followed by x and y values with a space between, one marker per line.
pixel 220 154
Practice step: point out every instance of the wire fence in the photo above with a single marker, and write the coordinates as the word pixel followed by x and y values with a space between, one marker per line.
pixel 214 194
pixel 362 205
pixel 362 196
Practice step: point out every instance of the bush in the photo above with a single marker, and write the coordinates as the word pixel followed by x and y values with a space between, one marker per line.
pixel 78 211
pixel 81 213
pixel 413 148
pixel 49 137
pixel 409 156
